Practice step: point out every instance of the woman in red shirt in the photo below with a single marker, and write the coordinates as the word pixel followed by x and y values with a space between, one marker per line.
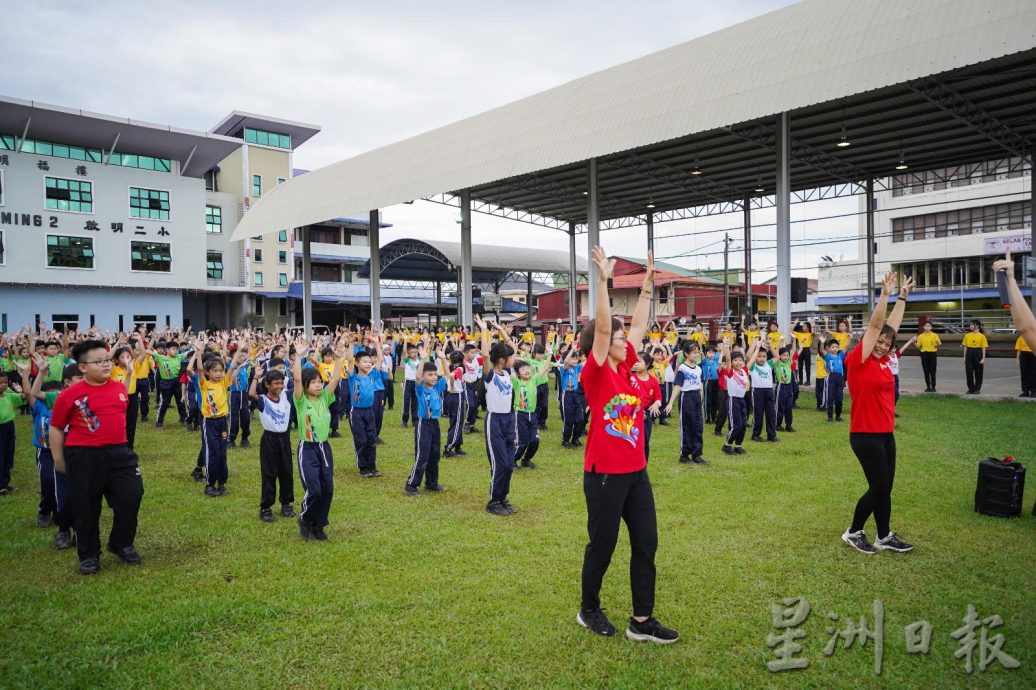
pixel 872 387
pixel 615 479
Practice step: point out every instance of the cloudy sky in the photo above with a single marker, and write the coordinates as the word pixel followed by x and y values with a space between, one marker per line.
pixel 373 73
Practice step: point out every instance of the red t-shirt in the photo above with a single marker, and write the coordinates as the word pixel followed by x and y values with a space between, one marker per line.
pixel 615 441
pixel 649 391
pixel 95 415
pixel 872 388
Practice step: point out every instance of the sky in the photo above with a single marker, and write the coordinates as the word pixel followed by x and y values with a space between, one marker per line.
pixel 371 74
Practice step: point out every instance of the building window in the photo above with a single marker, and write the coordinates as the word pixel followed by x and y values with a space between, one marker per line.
pixel 257 279
pixel 3 253
pixel 257 255
pixel 282 257
pixel 257 185
pixel 282 308
pixel 152 204
pixel 148 321
pixel 282 236
pixel 64 322
pixel 966 221
pixel 213 219
pixel 69 195
pixel 258 308
pixel 960 176
pixel 347 275
pixel 70 252
pixel 150 256
pixel 281 180
pixel 214 265
pixel 87 155
pixel 1 187
pixel 282 279
pixel 266 138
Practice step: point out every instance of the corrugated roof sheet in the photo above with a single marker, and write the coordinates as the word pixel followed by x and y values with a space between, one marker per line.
pixel 811 52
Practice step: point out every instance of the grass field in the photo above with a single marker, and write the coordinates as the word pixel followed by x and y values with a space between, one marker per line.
pixel 436 592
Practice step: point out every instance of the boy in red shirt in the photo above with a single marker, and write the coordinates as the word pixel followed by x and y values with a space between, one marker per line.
pixel 88 442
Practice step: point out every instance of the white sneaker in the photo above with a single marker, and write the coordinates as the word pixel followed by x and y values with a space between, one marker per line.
pixel 858 540
pixel 893 543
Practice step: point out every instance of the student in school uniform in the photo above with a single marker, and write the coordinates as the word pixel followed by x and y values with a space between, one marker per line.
pixel 764 402
pixel 429 389
pixel 55 499
pixel 784 393
pixel 541 363
pixel 275 453
pixel 411 364
pixel 168 362
pixel 710 378
pixel 928 343
pixel 526 426
pixel 214 403
pixel 834 384
pixel 688 387
pixel 721 386
pixel 362 422
pixel 974 344
pixel 455 405
pixel 737 387
pixel 239 403
pixel 820 388
pixel 573 415
pixel 1026 367
pixel 500 432
pixel 472 374
pixel 11 400
pixel 650 393
pixel 803 334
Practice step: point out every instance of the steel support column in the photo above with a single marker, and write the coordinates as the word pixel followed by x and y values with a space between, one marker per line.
pixel 464 304
pixel 528 299
pixel 1032 215
pixel 593 228
pixel 869 200
pixel 650 221
pixel 783 199
pixel 307 284
pixel 747 215
pixel 573 293
pixel 374 239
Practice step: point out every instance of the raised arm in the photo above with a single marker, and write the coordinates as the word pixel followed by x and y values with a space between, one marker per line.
pixel 483 330
pixel 638 325
pixel 1024 320
pixel 877 320
pixel 602 310
pixel 896 317
pixel 296 367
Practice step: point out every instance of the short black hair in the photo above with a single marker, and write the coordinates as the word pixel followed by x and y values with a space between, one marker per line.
pixel 80 349
pixel 737 354
pixel 500 351
pixel 3 375
pixel 784 350
pixel 429 366
pixel 274 375
pixel 648 359
pixel 275 362
pixel 49 386
pixel 210 363
pixel 521 364
pixel 456 358
pixel 70 372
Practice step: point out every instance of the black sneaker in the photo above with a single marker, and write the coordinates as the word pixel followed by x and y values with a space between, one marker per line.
pixel 773 440
pixel 287 510
pixel 738 450
pixel 757 439
pixel 63 540
pixel 210 490
pixel 305 530
pixel 126 554
pixel 198 474
pixel 266 515
pixel 365 473
pixel 717 433
pixel 231 444
pixel 496 508
pixel 729 450
pixel 684 460
pixel 831 419
pixel 159 425
pixel 699 460
pixel 374 473
pixel 334 434
pixel 566 444
pixel 448 453
pixel 839 418
pixel 89 566
pixel 893 543
pixel 791 429
pixel 379 442
pixel 596 622
pixel 436 488
pixel 245 444
pixel 651 631
pixel 318 534
pixel 411 491
pixel 529 464
pixel 858 540
pixel 511 510
pixel 459 452
pixel 44 520
pixel 403 425
pixel 222 490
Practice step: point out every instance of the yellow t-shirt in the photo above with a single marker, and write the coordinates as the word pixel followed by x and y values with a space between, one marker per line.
pixel 821 368
pixel 214 396
pixel 700 338
pixel 119 374
pixel 143 368
pixel 726 335
pixel 528 337
pixel 326 369
pixel 670 338
pixel 569 337
pixel 805 339
pixel 843 339
pixel 775 338
pixel 975 340
pixel 1021 345
pixel 751 336
pixel 928 342
pixel 441 337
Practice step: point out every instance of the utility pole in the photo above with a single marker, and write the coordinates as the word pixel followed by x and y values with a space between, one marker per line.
pixel 726 275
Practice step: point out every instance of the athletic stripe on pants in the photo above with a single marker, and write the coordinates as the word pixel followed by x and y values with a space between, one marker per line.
pixel 316 471
pixel 500 440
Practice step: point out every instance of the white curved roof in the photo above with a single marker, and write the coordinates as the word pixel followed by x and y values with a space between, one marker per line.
pixel 808 53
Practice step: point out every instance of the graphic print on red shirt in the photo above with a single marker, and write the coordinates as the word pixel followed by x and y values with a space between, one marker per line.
pixel 614 441
pixel 95 415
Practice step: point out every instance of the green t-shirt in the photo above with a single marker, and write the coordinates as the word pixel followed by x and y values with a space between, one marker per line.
pixel 782 370
pixel 524 394
pixel 315 415
pixel 57 365
pixel 9 402
pixel 540 371
pixel 168 366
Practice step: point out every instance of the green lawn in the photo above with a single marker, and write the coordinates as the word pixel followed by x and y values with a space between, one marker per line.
pixel 436 592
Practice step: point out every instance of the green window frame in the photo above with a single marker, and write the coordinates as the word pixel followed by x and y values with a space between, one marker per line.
pixel 282 279
pixel 151 204
pixel 85 154
pixel 257 279
pixel 74 196
pixel 67 251
pixel 281 180
pixel 257 185
pixel 151 256
pixel 282 257
pixel 267 138
pixel 213 219
pixel 282 236
pixel 214 265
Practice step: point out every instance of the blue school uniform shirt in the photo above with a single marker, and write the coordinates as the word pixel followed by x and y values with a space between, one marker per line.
pixel 710 369
pixel 835 363
pixel 688 377
pixel 379 379
pixel 570 377
pixel 429 399
pixel 40 424
pixel 240 382
pixel 361 390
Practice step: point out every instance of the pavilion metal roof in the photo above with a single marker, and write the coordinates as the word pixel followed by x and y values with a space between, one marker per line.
pixel 933 82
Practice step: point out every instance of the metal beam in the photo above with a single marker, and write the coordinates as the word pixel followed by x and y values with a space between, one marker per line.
pixel 18 143
pixel 307 284
pixel 783 195
pixel 651 251
pixel 747 216
pixel 187 162
pixel 573 293
pixel 869 200
pixel 464 303
pixel 667 174
pixel 593 228
pixel 115 143
pixel 374 240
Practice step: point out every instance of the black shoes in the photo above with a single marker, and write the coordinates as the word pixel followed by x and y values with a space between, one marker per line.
pixel 222 490
pixel 63 540
pixel 596 622
pixel 318 534
pixel 231 444
pixel 728 450
pixel 198 474
pixel 684 460
pixel 757 439
pixel 287 510
pixel 738 450
pixel 379 442
pixel 126 554
pixel 411 491
pixel 893 543
pixel 266 515
pixel 511 510
pixel 699 460
pixel 858 540
pixel 773 440
pixel 44 520
pixel 529 464
pixel 334 434
pixel 497 508
pixel 448 453
pixel 245 444
pixel 210 491
pixel 789 429
pixel 305 530
pixel 651 631
pixel 567 444
pixel 459 453
pixel 436 488
pixel 839 418
pixel 89 566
